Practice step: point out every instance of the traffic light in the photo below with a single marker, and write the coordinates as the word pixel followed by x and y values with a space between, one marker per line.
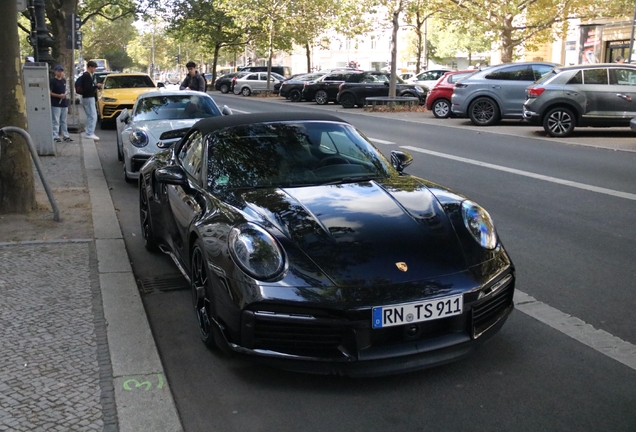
pixel 249 61
pixel 177 58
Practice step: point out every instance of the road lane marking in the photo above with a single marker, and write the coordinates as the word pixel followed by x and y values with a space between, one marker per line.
pixel 570 183
pixel 379 141
pixel 599 340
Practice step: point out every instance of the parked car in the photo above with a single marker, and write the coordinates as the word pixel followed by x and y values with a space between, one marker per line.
pixel 438 98
pixel 497 92
pixel 255 81
pixel 582 95
pixel 406 75
pixel 119 91
pixel 325 89
pixel 292 88
pixel 306 248
pixel 224 83
pixel 157 120
pixel 428 78
pixel 280 70
pixel 361 85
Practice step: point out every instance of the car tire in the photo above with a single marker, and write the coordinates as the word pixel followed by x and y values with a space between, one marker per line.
pixel 120 154
pixel 559 122
pixel 347 100
pixel 145 220
pixel 441 108
pixel 245 91
pixel 483 111
pixel 321 97
pixel 224 88
pixel 295 95
pixel 199 289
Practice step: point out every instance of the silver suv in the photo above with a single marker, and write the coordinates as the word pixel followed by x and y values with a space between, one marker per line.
pixel 582 95
pixel 497 92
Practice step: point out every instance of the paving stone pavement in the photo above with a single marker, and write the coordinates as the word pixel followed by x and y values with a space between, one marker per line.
pixel 62 367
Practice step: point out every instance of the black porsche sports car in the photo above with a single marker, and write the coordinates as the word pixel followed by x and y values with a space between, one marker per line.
pixel 306 248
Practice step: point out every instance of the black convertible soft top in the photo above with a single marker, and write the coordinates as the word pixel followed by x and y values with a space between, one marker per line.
pixel 215 123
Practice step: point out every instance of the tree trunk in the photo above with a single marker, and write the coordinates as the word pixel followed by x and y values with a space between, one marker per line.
pixel 308 51
pixel 271 52
pixel 56 12
pixel 17 191
pixel 396 27
pixel 506 41
pixel 418 31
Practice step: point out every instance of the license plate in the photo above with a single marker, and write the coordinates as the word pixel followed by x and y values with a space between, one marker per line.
pixel 408 313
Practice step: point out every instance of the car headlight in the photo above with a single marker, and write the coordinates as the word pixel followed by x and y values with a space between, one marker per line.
pixel 138 138
pixel 479 224
pixel 256 251
pixel 107 99
pixel 419 89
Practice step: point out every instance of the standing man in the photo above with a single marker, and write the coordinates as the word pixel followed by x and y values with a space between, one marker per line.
pixel 59 104
pixel 88 99
pixel 194 80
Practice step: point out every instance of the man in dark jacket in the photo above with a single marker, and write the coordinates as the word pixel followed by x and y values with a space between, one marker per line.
pixel 88 99
pixel 59 104
pixel 194 80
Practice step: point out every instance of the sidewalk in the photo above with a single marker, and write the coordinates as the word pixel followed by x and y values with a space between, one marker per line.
pixel 76 351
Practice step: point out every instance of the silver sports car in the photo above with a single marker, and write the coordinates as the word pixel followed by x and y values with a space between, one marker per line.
pixel 157 120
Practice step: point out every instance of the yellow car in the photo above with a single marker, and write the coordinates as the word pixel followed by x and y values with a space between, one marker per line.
pixel 119 91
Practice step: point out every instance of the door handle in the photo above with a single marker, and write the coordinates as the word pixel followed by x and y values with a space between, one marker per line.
pixel 626 97
pixel 571 93
pixel 496 87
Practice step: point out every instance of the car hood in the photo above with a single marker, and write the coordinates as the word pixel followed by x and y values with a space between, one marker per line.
pixel 126 95
pixel 154 128
pixel 360 233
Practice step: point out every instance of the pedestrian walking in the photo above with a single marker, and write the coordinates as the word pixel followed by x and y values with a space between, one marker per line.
pixel 59 104
pixel 89 94
pixel 194 80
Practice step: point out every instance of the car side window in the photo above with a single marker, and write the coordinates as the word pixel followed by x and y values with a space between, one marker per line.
pixel 513 73
pixel 595 76
pixel 252 77
pixel 191 155
pixel 576 79
pixel 622 77
pixel 540 70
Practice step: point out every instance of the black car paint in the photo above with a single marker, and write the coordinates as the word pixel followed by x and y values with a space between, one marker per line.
pixel 329 83
pixel 360 90
pixel 336 274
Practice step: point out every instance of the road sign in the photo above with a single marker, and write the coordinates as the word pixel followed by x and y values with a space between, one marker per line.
pixel 73 33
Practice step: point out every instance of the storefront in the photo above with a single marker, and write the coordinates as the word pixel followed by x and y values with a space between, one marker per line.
pixel 602 41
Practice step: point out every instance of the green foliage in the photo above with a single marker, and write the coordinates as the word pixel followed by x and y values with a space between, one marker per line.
pixel 103 38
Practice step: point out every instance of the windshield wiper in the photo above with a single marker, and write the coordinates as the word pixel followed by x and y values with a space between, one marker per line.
pixel 352 179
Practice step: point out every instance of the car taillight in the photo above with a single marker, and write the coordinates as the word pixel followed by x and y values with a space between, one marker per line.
pixel 340 86
pixel 535 91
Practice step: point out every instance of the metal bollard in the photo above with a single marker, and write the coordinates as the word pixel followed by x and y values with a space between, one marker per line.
pixel 36 161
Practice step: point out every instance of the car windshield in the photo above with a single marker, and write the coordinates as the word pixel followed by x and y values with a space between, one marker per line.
pixel 132 81
pixel 175 107
pixel 290 154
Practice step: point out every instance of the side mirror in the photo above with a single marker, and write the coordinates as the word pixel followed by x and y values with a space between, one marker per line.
pixel 400 160
pixel 161 85
pixel 174 175
pixel 226 110
pixel 124 116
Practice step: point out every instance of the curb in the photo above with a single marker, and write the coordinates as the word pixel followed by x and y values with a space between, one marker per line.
pixel 143 398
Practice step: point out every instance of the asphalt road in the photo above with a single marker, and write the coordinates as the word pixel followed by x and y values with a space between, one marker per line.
pixel 565 211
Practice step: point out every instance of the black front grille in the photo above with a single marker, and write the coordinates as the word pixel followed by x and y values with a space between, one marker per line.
pixel 492 309
pixel 298 338
pixel 138 161
pixel 111 110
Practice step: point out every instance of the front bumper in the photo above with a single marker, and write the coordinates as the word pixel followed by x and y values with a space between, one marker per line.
pixel 111 111
pixel 347 345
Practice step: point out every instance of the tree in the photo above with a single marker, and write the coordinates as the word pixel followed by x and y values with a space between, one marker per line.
pixel 17 190
pixel 452 37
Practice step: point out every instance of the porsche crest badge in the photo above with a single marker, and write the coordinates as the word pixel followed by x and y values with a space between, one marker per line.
pixel 401 266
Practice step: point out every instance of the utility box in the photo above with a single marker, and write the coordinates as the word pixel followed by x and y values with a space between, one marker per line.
pixel 38 104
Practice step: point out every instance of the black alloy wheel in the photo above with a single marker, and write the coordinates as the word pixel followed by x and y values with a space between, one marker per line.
pixel 295 95
pixel 559 122
pixel 245 91
pixel 347 100
pixel 224 88
pixel 200 298
pixel 441 108
pixel 483 111
pixel 321 97
pixel 145 220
